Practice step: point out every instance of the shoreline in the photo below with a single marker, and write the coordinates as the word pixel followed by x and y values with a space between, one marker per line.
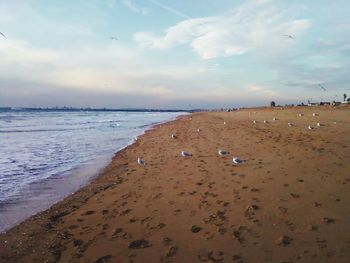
pixel 204 208
pixel 76 178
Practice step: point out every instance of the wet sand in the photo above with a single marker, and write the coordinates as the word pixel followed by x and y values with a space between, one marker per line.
pixel 288 203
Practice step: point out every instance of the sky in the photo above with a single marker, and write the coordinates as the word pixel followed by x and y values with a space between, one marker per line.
pixel 173 54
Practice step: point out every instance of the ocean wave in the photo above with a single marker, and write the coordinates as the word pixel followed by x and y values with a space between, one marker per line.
pixel 40 148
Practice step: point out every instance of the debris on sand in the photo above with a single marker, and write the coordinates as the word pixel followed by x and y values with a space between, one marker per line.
pixel 283 241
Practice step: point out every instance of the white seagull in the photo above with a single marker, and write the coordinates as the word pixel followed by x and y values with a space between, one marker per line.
pixel 237 160
pixel 314 114
pixel 223 152
pixel 224 122
pixel 199 130
pixel 186 154
pixel 319 124
pixel 173 136
pixel 290 124
pixel 254 121
pixel 301 114
pixel 141 161
pixel 266 122
pixel 274 118
pixel 309 127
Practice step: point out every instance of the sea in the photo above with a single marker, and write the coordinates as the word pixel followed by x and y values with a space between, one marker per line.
pixel 48 155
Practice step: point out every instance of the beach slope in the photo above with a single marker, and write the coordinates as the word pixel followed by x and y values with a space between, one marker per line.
pixel 289 202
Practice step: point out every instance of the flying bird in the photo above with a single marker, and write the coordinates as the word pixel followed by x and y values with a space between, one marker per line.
pixel 3 35
pixel 113 38
pixel 324 89
pixel 288 36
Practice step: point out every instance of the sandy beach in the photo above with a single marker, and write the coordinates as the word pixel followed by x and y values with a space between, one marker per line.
pixel 289 202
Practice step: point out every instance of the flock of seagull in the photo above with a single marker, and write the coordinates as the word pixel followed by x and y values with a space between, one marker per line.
pixel 221 152
pixel 290 124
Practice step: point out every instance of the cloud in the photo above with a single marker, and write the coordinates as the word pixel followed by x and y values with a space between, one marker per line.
pixel 134 7
pixel 115 70
pixel 170 9
pixel 251 26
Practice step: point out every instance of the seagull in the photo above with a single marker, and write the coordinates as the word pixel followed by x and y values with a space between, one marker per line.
pixel 254 121
pixel 288 36
pixel 301 114
pixel 237 160
pixel 113 38
pixel 186 154
pixel 334 122
pixel 290 124
pixel 223 152
pixel 199 130
pixel 319 124
pixel 274 118
pixel 314 114
pixel 309 127
pixel 322 87
pixel 3 35
pixel 173 136
pixel 266 122
pixel 224 122
pixel 141 161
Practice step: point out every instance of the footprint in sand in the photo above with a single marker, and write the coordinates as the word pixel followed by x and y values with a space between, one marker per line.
pixel 167 241
pixel 104 259
pixel 139 244
pixel 328 220
pixel 90 212
pixel 196 229
pixel 283 210
pixel 312 228
pixel 171 253
pixel 250 211
pixel 294 195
